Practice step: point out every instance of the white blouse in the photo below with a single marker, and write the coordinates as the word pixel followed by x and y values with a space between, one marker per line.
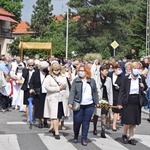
pixel 86 94
pixel 42 77
pixel 134 87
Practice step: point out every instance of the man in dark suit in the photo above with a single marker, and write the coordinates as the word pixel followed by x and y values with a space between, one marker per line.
pixel 26 74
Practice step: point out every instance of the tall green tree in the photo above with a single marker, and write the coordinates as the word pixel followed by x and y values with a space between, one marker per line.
pixel 41 17
pixel 13 6
pixel 101 22
pixel 138 27
pixel 57 35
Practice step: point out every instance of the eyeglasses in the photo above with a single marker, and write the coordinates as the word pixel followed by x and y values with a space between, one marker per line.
pixel 31 65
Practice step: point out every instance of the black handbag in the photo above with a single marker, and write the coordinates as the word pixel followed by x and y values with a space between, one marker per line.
pixel 37 91
pixel 143 99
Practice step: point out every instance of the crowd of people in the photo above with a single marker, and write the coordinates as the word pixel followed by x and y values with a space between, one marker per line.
pixel 55 85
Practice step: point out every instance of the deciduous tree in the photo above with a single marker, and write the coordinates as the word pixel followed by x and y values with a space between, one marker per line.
pixel 12 6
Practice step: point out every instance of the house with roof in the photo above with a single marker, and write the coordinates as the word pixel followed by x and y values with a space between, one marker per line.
pixel 6 38
pixel 22 28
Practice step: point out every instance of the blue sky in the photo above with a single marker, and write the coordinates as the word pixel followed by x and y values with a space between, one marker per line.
pixel 59 7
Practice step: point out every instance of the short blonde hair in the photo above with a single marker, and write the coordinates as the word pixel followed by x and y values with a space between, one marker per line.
pixel 128 64
pixel 55 66
pixel 136 64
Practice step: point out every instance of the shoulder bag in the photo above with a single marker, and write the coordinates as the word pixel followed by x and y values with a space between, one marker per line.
pixel 38 90
pixel 143 98
pixel 76 106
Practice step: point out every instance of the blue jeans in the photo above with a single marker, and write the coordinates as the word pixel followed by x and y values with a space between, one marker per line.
pixel 82 117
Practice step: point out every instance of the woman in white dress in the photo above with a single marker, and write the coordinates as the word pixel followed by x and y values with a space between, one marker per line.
pixel 16 75
pixel 56 104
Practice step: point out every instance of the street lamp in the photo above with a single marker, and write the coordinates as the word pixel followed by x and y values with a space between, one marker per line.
pixel 67 31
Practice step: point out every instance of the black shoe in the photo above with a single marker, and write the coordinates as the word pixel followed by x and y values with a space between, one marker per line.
pixel 114 130
pixel 45 125
pixel 57 137
pixel 84 143
pixel 103 134
pixel 125 139
pixel 75 140
pixel 95 132
pixel 132 142
pixel 148 119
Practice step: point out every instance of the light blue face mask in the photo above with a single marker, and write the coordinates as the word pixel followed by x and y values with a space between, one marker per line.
pixel 110 70
pixel 135 72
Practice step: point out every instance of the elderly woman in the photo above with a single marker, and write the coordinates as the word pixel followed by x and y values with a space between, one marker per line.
pixel 83 91
pixel 37 87
pixel 56 98
pixel 131 90
pixel 128 68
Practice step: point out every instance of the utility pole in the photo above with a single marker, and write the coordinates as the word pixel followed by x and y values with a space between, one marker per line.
pixel 67 32
pixel 148 29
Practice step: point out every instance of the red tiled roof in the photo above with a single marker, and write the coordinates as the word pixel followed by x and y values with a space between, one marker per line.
pixel 76 18
pixel 6 13
pixel 6 18
pixel 22 28
pixel 59 17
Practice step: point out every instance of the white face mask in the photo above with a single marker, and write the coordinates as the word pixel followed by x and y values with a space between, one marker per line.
pixel 119 72
pixel 135 72
pixel 128 72
pixel 81 74
pixel 56 72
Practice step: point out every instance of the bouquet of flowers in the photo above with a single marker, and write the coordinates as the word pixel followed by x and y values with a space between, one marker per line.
pixel 104 104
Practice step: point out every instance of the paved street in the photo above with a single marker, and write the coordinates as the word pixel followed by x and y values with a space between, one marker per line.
pixel 16 135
